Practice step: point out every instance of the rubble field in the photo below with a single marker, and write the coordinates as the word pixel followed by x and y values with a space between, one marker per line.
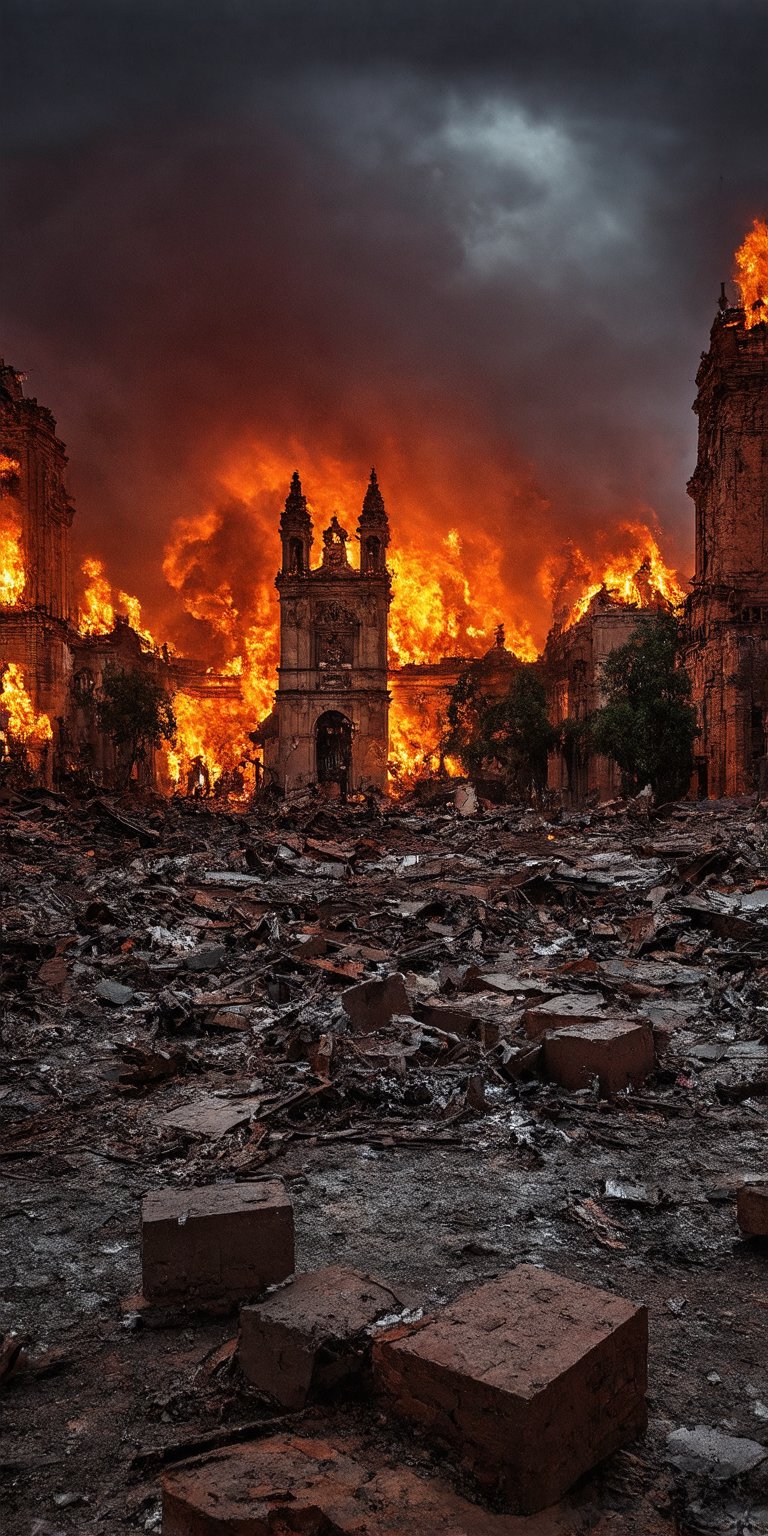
pixel 464 1043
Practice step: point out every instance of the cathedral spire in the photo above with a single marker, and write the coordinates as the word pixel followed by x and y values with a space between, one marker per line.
pixel 296 531
pixel 373 531
pixel 373 504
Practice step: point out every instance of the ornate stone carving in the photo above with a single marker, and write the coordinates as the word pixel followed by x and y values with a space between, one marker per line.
pixel 333 613
pixel 335 545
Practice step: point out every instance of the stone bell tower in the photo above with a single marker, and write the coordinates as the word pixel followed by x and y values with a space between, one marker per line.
pixel 727 612
pixel 332 702
pixel 35 566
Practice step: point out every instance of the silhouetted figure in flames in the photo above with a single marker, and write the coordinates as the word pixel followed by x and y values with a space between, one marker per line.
pixel 198 779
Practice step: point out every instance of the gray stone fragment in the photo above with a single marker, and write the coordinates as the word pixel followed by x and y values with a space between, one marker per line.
pixel 113 992
pixel 707 1451
pixel 208 958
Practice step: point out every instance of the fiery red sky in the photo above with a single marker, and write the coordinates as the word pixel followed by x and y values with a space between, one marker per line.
pixel 479 251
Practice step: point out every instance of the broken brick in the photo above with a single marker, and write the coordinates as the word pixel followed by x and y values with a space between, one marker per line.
pixel 530 1380
pixel 310 1335
pixel 300 1485
pixel 222 1242
pixel 618 1052
pixel 562 1012
pixel 372 1004
pixel 752 1209
pixel 482 1015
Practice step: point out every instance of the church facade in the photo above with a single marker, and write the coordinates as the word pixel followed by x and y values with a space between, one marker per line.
pixel 330 722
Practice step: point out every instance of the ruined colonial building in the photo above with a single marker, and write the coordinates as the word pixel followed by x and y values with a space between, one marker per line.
pixel 35 564
pixel 727 611
pixel 51 673
pixel 574 657
pixel 330 721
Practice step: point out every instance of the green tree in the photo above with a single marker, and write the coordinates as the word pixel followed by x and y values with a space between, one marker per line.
pixel 136 712
pixel 647 724
pixel 511 735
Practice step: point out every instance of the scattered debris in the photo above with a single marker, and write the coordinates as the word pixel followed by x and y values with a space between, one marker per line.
pixel 367 1003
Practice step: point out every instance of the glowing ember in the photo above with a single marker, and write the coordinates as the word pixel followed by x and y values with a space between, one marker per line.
pixel 751 273
pixel 22 724
pixel 637 577
pixel 100 605
pixel 12 573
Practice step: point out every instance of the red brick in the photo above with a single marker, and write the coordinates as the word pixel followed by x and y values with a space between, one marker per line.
pixel 310 1335
pixel 485 1016
pixel 530 1381
pixel 617 1052
pixel 372 1004
pixel 752 1209
pixel 315 1488
pixel 563 1012
pixel 222 1242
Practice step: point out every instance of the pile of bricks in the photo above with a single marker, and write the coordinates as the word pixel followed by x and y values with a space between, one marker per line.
pixel 526 1382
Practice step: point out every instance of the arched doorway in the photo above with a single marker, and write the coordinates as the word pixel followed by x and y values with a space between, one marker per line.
pixel 333 744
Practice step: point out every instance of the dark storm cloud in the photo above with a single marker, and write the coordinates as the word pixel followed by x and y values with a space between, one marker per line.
pixel 500 226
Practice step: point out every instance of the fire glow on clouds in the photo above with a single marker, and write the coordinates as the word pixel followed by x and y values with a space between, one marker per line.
pixel 321 237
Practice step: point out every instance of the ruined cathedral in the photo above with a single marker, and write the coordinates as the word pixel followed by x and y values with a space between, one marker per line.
pixel 330 723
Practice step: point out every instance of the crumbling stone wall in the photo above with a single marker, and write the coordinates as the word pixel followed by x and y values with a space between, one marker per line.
pixel 574 659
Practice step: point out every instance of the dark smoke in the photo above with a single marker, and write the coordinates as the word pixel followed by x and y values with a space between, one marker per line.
pixel 478 246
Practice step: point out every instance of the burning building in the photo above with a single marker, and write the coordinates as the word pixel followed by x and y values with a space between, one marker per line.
pixel 35 577
pixel 611 603
pixel 727 611
pixel 52 659
pixel 330 719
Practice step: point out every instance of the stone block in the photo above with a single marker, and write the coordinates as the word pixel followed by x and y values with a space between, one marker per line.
pixel 312 1487
pixel 617 1052
pixel 223 1242
pixel 311 1336
pixel 528 1381
pixel 752 1209
pixel 372 1004
pixel 484 1016
pixel 562 1012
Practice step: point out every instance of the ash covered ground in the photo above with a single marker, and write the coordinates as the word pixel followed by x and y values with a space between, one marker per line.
pixel 173 1015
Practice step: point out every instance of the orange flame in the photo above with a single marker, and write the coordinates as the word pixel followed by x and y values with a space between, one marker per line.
pixel 24 725
pixel 97 615
pixel 100 605
pixel 212 732
pixel 415 732
pixel 447 597
pixel 216 729
pixel 751 273
pixel 437 612
pixel 638 577
pixel 12 573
